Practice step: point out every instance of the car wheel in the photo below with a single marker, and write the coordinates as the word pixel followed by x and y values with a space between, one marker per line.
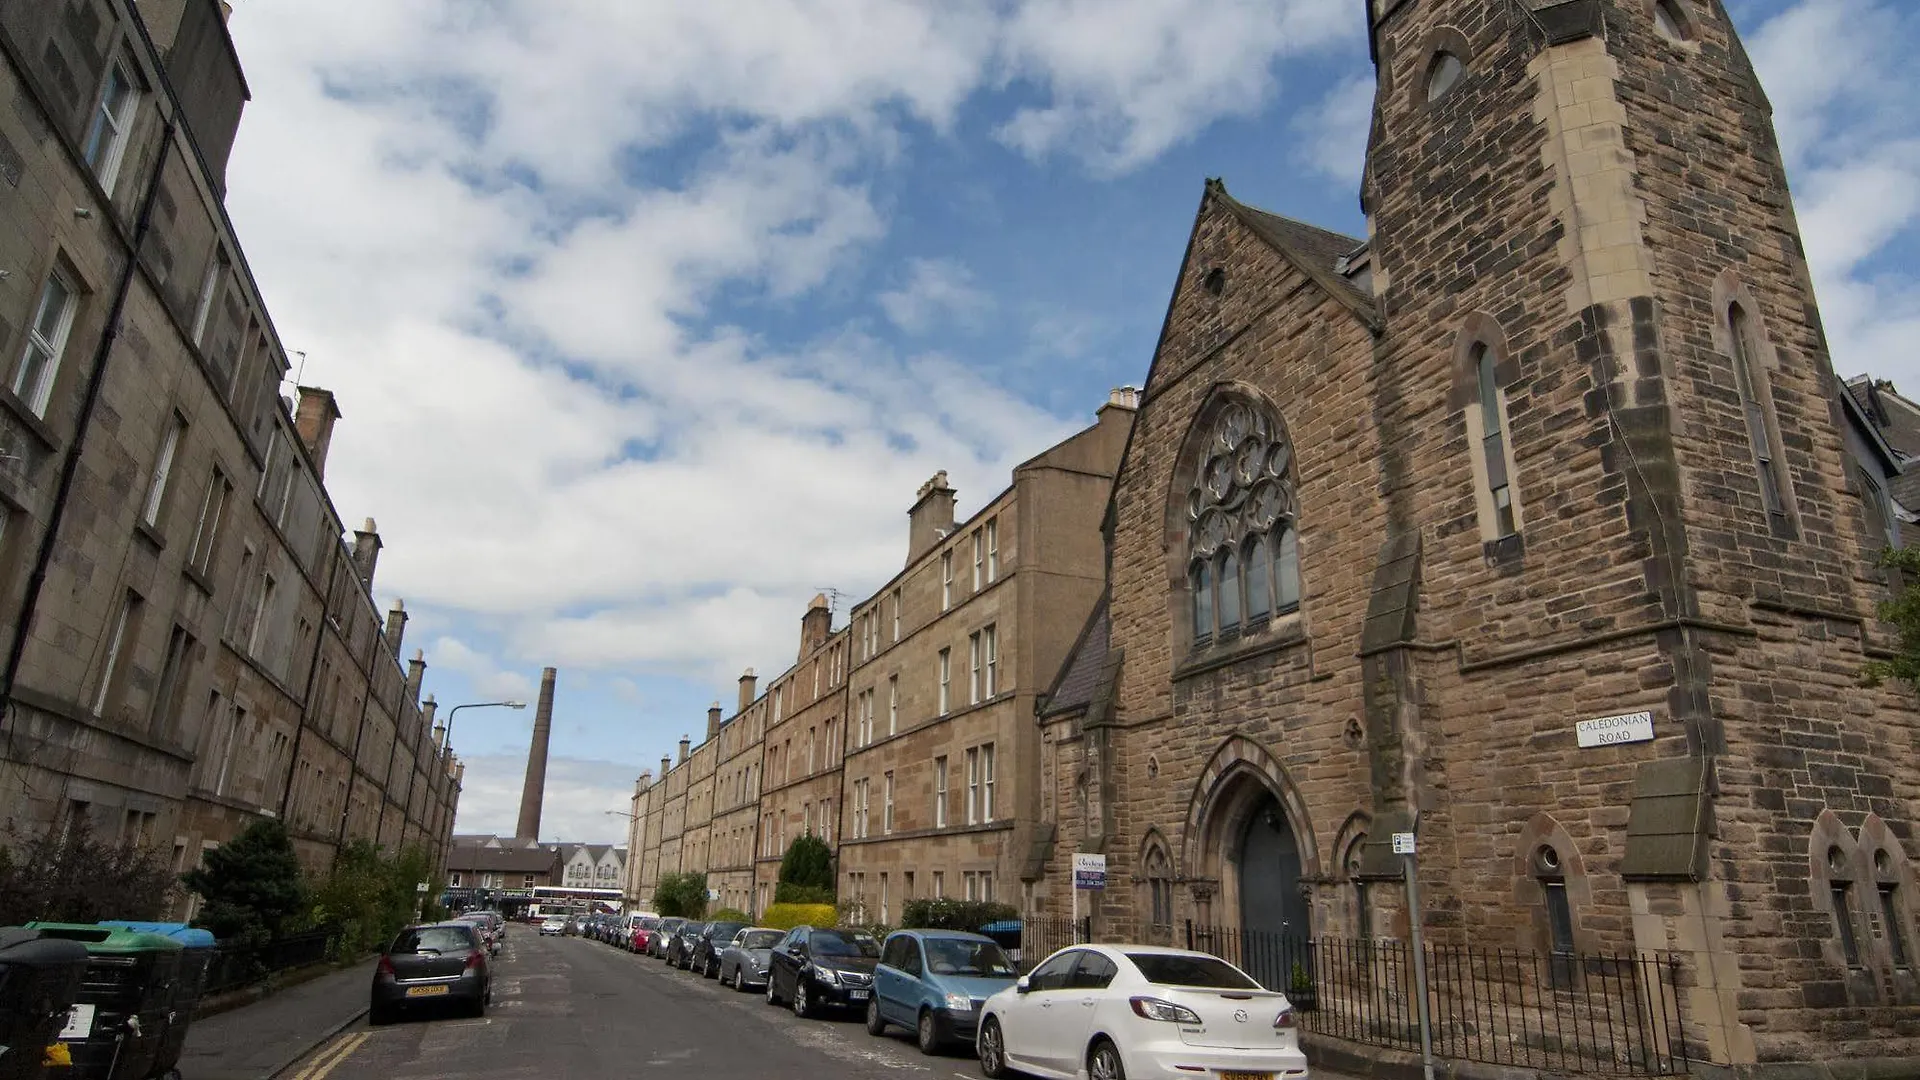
pixel 993 1050
pixel 927 1034
pixel 773 998
pixel 478 1009
pixel 876 1025
pixel 1104 1062
pixel 802 1007
pixel 712 970
pixel 379 1016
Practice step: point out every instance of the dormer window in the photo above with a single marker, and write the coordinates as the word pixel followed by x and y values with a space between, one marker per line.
pixel 1443 74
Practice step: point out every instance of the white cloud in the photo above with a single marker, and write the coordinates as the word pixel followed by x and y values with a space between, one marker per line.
pixel 573 808
pixel 485 674
pixel 936 290
pixel 1335 130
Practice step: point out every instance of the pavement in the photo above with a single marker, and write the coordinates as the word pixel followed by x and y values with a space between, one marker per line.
pixel 262 1039
pixel 571 1007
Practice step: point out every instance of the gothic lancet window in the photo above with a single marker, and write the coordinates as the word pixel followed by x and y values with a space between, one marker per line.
pixel 1243 564
pixel 1759 424
pixel 1493 441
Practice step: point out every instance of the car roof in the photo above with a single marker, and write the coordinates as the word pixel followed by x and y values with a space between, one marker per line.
pixel 945 935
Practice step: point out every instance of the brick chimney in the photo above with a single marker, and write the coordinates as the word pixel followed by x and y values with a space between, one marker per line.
pixel 684 743
pixel 416 673
pixel 816 626
pixel 366 551
pixel 748 683
pixel 931 518
pixel 440 736
pixel 396 626
pixel 427 709
pixel 666 766
pixel 314 418
pixel 713 721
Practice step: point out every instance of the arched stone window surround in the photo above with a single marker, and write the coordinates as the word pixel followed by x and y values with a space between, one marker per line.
pixel 1480 335
pixel 1347 844
pixel 1893 890
pixel 1232 786
pixel 1730 292
pixel 1684 20
pixel 1156 878
pixel 1197 448
pixel 1531 878
pixel 1442 39
pixel 1835 860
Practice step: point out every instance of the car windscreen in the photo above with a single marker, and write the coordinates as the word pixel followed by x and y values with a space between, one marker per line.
pixel 1206 972
pixel 762 939
pixel 724 931
pixel 836 943
pixel 648 924
pixel 952 956
pixel 439 939
pixel 671 925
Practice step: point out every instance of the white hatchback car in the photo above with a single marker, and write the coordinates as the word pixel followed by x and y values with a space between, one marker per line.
pixel 1118 1011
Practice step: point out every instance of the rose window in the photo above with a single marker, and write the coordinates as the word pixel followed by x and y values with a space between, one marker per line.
pixel 1243 562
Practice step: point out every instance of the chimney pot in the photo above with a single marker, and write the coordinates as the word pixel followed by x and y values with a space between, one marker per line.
pixel 1124 397
pixel 931 517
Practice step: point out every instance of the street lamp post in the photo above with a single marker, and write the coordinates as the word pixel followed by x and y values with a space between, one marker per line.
pixel 446 747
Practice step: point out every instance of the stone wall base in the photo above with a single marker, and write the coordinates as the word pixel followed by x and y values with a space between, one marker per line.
pixel 1379 1063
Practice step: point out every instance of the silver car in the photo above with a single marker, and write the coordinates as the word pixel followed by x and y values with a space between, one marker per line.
pixel 743 963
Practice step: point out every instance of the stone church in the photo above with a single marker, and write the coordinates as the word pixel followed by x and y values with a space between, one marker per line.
pixel 1527 525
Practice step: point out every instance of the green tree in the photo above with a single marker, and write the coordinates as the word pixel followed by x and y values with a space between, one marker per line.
pixel 807 863
pixel 71 875
pixel 369 894
pixel 684 895
pixel 251 884
pixel 1903 612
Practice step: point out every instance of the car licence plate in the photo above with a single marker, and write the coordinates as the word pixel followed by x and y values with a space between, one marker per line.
pixel 433 991
pixel 1245 1076
pixel 856 995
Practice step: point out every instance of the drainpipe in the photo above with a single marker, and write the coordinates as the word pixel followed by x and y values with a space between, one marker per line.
pixel 96 378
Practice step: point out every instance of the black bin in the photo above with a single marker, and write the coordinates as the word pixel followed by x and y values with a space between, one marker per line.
pixel 128 990
pixel 188 985
pixel 39 980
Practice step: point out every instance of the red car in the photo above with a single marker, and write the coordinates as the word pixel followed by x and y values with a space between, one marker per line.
pixel 643 933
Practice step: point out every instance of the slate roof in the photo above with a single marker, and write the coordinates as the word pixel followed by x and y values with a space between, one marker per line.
pixel 1317 252
pixel 1081 674
pixel 1896 421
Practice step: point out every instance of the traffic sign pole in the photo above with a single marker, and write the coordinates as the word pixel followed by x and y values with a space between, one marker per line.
pixel 1403 844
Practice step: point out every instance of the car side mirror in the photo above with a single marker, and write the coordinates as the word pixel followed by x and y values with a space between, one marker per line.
pixel 1021 985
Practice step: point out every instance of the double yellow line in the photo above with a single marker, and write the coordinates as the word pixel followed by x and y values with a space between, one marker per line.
pixel 330 1058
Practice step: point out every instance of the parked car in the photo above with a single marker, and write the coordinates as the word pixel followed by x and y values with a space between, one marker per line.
pixel 703 955
pixel 1116 1010
pixel 625 926
pixel 934 982
pixel 680 949
pixel 744 962
pixel 643 931
pixel 815 969
pixel 663 936
pixel 433 964
pixel 553 927
pixel 489 936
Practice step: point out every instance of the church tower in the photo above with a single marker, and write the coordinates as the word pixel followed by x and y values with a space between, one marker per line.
pixel 1615 464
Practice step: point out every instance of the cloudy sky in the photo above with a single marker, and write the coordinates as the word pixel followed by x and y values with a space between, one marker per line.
pixel 647 317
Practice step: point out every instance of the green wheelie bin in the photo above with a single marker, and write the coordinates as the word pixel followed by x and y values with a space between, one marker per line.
pixel 123 1012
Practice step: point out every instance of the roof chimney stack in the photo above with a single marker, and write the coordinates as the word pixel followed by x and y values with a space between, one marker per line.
pixel 416 674
pixel 684 744
pixel 816 626
pixel 713 721
pixel 748 683
pixel 931 518
pixel 396 626
pixel 366 551
pixel 313 419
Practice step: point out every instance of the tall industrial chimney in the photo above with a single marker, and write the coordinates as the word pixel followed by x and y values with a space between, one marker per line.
pixel 536 785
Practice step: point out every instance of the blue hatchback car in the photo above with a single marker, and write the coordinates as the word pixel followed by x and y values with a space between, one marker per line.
pixel 934 983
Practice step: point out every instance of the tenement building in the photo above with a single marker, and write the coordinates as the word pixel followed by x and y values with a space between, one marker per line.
pixel 189 642
pixel 804 741
pixel 1528 526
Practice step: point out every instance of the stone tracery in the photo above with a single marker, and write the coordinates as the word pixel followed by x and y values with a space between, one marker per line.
pixel 1243 560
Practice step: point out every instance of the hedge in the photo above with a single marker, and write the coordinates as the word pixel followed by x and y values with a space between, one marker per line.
pixel 945 914
pixel 788 916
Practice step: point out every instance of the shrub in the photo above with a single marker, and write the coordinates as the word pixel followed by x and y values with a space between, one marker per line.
pixel 945 914
pixel 369 895
pixel 788 916
pixel 789 893
pixel 684 895
pixel 252 885
pixel 72 876
pixel 808 862
pixel 727 914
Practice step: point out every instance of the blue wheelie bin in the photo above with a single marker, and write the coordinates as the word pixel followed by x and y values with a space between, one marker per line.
pixel 121 1014
pixel 39 980
pixel 197 946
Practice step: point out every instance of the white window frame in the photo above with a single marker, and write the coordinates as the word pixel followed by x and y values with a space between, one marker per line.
pixel 104 158
pixel 209 287
pixel 896 616
pixel 973 786
pixel 973 668
pixel 893 705
pixel 986 782
pixel 993 550
pixel 939 884
pixel 946 679
pixel 116 645
pixel 946 580
pixel 51 349
pixel 162 468
pixel 257 631
pixel 979 560
pixel 940 792
pixel 990 645
pixel 886 806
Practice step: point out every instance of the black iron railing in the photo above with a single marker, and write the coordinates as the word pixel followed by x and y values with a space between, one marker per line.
pixel 234 966
pixel 1574 1012
pixel 1042 935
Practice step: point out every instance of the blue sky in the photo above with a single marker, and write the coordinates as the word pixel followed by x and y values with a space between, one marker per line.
pixel 648 318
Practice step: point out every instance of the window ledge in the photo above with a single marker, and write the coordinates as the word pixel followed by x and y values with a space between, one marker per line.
pixel 35 425
pixel 150 534
pixel 199 579
pixel 1289 630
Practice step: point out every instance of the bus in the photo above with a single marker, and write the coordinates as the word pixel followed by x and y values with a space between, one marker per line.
pixel 552 900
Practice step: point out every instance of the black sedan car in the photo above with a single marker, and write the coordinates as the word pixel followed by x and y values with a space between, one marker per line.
pixel 816 969
pixel 680 949
pixel 703 952
pixel 743 964
pixel 435 965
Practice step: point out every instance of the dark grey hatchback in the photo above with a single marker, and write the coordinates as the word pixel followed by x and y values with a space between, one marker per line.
pixel 432 966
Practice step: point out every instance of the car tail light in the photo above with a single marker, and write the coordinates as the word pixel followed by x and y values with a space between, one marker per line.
pixel 1286 1019
pixel 386 968
pixel 475 959
pixel 1154 1009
